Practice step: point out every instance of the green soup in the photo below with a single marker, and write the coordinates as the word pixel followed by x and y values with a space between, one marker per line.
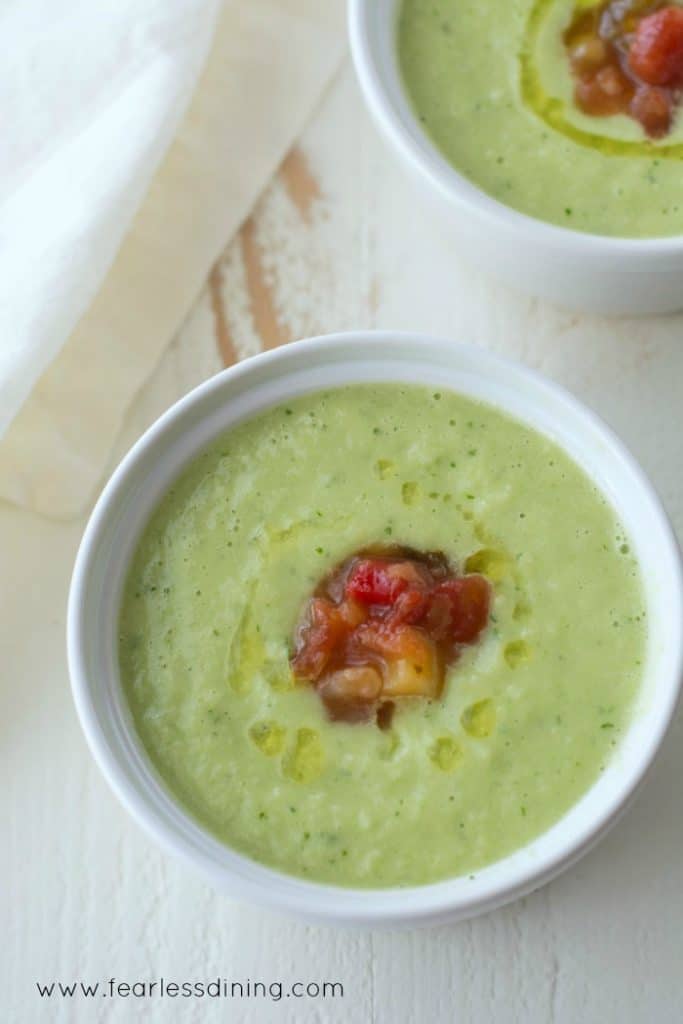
pixel 528 717
pixel 491 84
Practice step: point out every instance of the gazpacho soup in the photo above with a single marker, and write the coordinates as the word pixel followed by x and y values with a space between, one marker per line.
pixel 381 636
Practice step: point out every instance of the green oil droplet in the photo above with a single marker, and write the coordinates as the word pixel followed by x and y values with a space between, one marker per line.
pixel 268 737
pixel 479 719
pixel 446 753
pixel 306 760
pixel 516 653
pixel 409 492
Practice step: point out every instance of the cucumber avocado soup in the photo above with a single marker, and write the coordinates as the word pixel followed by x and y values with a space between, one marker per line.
pixel 528 713
pixel 567 110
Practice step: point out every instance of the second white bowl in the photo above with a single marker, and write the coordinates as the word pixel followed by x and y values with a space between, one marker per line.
pixel 588 272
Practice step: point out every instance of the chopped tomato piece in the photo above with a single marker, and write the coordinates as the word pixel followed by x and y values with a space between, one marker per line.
pixel 593 99
pixel 410 607
pixel 653 107
pixel 372 582
pixel 460 608
pixel 612 81
pixel 656 54
pixel 352 612
pixel 318 638
pixel 410 666
pixel 587 54
pixel 393 641
pixel 361 683
pixel 350 693
pixel 415 575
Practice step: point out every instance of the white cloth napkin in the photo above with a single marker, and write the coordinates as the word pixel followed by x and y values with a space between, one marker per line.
pixel 116 198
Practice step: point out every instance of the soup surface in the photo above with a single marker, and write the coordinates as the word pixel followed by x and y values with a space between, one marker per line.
pixel 528 714
pixel 505 91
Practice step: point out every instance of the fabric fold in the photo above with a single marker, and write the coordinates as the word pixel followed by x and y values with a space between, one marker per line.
pixel 267 67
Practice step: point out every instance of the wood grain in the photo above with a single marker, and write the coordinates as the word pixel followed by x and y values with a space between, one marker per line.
pixel 262 303
pixel 224 339
pixel 303 191
pixel 301 184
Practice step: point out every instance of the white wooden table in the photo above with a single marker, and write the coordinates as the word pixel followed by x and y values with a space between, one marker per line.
pixel 340 240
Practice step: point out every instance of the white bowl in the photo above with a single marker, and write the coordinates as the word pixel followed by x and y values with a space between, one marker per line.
pixel 273 378
pixel 589 272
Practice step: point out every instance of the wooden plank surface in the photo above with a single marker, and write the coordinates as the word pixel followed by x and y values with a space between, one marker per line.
pixel 341 239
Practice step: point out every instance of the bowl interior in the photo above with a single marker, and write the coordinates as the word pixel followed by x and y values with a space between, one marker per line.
pixel 234 395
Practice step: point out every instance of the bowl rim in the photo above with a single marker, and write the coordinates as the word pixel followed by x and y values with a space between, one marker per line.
pixel 321 902
pixel 423 155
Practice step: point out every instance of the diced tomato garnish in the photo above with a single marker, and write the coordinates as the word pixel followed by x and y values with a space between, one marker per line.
pixel 392 641
pixel 460 609
pixel 593 99
pixel 372 582
pixel 653 107
pixel 626 57
pixel 320 635
pixel 409 607
pixel 656 54
pixel 352 612
pixel 350 693
pixel 410 662
pixel 386 625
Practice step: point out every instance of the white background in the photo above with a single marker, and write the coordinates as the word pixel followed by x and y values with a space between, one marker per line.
pixel 340 240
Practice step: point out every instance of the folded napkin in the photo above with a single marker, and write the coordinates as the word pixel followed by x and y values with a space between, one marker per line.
pixel 116 198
